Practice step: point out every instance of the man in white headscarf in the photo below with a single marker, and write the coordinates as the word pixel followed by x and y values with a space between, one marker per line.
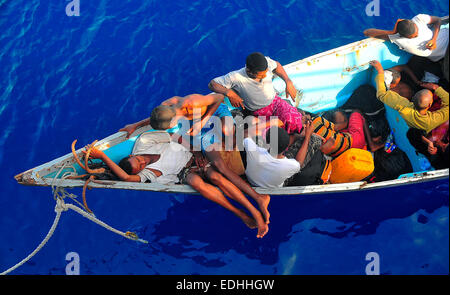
pixel 393 77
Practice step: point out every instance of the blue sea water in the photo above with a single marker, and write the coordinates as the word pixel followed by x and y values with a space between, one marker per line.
pixel 84 77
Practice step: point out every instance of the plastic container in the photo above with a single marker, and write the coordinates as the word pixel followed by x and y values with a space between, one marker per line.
pixel 352 165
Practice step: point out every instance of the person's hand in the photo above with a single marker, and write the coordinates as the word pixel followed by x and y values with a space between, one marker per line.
pixel 441 145
pixel 431 44
pixel 432 150
pixel 195 129
pixel 200 160
pixel 321 138
pixel 309 129
pixel 367 32
pixel 327 146
pixel 95 153
pixel 235 99
pixel 377 65
pixel 129 129
pixel 429 86
pixel 290 90
pixel 274 122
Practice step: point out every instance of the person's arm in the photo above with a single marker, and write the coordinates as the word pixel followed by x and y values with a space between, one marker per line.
pixel 390 98
pixel 381 34
pixel 234 98
pixel 373 146
pixel 443 95
pixel 256 126
pixel 198 125
pixel 436 22
pixel 97 154
pixel 290 88
pixel 328 146
pixel 432 150
pixel 130 128
pixel 197 102
pixel 301 154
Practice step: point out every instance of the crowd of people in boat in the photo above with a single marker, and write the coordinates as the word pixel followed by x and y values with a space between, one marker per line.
pixel 267 142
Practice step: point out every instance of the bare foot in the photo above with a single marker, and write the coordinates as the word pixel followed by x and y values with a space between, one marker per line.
pixel 250 222
pixel 257 222
pixel 263 228
pixel 263 203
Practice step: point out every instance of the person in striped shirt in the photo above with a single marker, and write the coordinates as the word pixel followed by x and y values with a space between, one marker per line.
pixel 344 133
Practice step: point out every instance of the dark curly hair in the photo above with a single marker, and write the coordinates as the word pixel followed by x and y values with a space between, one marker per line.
pixel 125 165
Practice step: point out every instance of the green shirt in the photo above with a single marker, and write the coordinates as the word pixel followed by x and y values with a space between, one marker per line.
pixel 406 109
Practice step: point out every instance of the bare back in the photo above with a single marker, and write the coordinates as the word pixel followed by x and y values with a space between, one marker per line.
pixel 185 106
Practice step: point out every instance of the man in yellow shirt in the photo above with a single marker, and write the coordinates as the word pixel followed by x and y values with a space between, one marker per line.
pixel 415 112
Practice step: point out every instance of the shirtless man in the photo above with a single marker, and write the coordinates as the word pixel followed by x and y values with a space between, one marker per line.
pixel 195 107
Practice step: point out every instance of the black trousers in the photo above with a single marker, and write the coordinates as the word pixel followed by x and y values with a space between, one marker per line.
pixel 419 65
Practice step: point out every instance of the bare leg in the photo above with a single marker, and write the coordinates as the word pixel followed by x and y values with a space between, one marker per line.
pixel 211 193
pixel 261 200
pixel 234 193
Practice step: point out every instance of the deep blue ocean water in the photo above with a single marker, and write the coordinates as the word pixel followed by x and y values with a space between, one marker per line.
pixel 64 78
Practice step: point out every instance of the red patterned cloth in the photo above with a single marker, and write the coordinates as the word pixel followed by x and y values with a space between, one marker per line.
pixel 285 112
pixel 436 105
pixel 439 133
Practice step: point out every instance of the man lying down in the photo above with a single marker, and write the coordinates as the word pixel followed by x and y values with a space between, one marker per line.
pixel 158 159
pixel 155 158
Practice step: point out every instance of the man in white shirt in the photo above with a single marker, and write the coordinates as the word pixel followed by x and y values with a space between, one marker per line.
pixel 251 88
pixel 270 168
pixel 422 37
pixel 155 158
pixel 416 37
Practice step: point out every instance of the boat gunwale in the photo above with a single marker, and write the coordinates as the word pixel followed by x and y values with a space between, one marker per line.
pixel 289 190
